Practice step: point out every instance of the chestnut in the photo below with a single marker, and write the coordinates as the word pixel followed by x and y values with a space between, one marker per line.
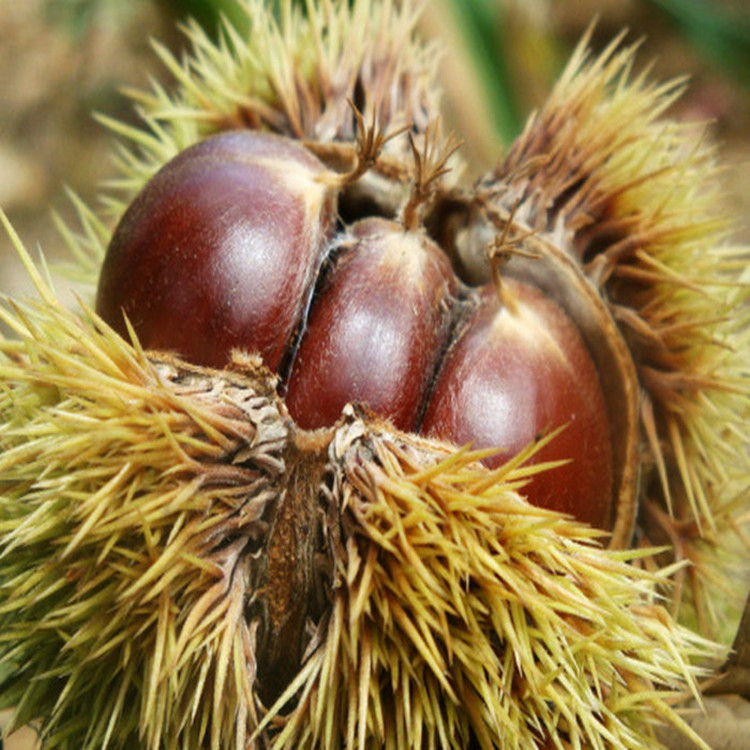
pixel 236 243
pixel 518 370
pixel 376 328
pixel 221 249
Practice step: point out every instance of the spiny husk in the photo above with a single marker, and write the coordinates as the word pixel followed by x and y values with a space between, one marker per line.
pixel 130 489
pixel 301 75
pixel 136 503
pixel 633 198
pixel 461 614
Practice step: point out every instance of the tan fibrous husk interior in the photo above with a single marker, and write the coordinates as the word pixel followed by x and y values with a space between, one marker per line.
pixel 138 495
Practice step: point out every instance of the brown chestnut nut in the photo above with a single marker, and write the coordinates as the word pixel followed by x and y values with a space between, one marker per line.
pixel 232 245
pixel 376 329
pixel 518 370
pixel 221 249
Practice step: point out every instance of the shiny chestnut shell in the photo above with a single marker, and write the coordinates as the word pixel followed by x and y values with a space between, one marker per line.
pixel 236 243
pixel 221 249
pixel 518 370
pixel 376 329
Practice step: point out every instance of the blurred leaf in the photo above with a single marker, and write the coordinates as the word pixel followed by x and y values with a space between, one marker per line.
pixel 482 25
pixel 208 13
pixel 75 16
pixel 719 30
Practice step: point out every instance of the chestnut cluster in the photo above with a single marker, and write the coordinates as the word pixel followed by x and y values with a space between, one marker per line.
pixel 240 243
